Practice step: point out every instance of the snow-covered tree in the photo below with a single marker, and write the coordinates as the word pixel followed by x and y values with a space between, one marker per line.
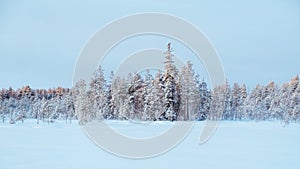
pixel 251 102
pixel 12 104
pixel 170 88
pixel 119 99
pixel 289 97
pixel 47 109
pixel 97 92
pixel 240 97
pixel 37 104
pixel 82 104
pixel 4 109
pixel 109 110
pixel 136 92
pixel 264 106
pixel 225 96
pixel 147 113
pixel 204 103
pixel 154 98
pixel 217 104
pixel 237 98
pixel 69 107
pixel 23 107
pixel 189 93
pixel 296 101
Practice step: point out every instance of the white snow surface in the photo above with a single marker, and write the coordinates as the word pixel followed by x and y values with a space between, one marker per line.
pixel 58 145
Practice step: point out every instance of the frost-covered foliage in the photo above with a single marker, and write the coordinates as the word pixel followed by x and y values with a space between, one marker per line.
pixel 268 102
pixel 180 95
pixel 42 105
pixel 170 95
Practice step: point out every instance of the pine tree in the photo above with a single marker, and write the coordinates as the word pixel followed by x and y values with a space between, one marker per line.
pixel 115 90
pixel 237 99
pixel 296 101
pixel 109 110
pixel 12 105
pixel 251 104
pixel 242 95
pixel 69 107
pixel 45 108
pixel 97 93
pixel 4 109
pixel 171 95
pixel 136 93
pixel 225 91
pixel 125 107
pixel 82 104
pixel 204 103
pixel 37 109
pixel 289 99
pixel 119 100
pixel 154 100
pixel 22 109
pixel 217 105
pixel 234 101
pixel 189 93
pixel 147 113
pixel 268 95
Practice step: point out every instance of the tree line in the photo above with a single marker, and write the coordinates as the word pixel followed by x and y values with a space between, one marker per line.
pixel 170 95
pixel 40 104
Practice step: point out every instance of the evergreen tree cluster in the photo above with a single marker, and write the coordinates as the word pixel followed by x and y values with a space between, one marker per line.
pixel 269 102
pixel 180 95
pixel 40 104
pixel 170 95
pixel 173 95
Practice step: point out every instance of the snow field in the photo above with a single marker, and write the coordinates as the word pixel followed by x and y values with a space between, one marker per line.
pixel 234 145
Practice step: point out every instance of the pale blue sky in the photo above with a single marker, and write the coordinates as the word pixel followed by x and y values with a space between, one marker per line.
pixel 257 41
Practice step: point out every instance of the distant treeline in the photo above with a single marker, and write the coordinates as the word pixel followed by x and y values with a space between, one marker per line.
pixel 40 104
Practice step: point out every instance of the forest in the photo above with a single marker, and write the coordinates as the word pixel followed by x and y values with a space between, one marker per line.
pixel 172 94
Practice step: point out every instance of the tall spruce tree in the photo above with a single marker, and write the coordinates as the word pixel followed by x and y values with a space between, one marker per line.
pixel 169 84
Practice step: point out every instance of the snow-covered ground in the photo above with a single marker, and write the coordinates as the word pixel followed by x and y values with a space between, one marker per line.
pixel 244 145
